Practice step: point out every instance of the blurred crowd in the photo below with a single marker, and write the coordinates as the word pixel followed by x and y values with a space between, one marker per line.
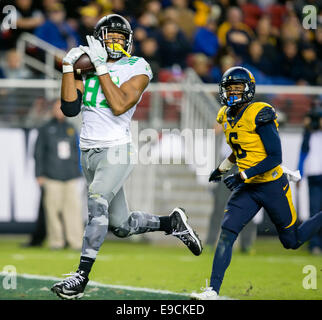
pixel 266 36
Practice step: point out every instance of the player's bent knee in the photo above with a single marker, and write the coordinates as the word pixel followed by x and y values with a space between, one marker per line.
pixel 290 243
pixel 136 223
pixel 128 227
pixel 289 239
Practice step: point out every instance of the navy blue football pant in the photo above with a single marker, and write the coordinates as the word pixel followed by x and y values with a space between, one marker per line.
pixel 244 203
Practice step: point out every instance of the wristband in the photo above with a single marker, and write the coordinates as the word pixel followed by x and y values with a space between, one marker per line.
pixel 226 165
pixel 101 70
pixel 243 174
pixel 67 68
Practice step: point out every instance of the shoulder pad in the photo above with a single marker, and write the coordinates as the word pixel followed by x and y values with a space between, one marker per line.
pixel 220 115
pixel 265 115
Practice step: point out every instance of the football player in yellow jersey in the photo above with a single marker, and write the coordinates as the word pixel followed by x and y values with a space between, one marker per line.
pixel 251 130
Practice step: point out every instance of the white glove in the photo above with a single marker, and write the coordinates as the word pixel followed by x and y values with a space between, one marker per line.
pixel 293 176
pixel 97 54
pixel 73 55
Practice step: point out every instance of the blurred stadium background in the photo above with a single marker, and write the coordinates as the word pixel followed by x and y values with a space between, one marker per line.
pixel 189 45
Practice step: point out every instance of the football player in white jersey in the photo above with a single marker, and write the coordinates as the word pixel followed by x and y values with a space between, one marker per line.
pixel 107 100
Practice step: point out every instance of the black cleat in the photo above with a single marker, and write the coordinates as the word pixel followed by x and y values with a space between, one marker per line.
pixel 72 287
pixel 182 230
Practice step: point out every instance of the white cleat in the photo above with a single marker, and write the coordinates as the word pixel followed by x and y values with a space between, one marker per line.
pixel 207 294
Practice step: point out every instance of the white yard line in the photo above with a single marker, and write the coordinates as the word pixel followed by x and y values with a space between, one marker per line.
pixel 102 285
pixel 97 284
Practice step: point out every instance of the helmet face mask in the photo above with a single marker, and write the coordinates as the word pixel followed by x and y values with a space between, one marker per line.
pixel 114 23
pixel 231 91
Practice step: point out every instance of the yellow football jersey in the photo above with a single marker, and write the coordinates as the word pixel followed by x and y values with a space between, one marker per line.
pixel 245 143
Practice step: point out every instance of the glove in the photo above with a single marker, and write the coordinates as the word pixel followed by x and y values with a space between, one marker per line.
pixel 233 181
pixel 293 176
pixel 73 55
pixel 216 175
pixel 95 51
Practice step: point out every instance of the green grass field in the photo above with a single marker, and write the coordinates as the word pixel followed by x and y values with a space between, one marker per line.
pixel 270 272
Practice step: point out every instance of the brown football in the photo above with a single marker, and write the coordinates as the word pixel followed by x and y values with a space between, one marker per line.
pixel 83 65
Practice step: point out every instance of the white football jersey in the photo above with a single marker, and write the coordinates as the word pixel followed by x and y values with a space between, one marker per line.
pixel 100 128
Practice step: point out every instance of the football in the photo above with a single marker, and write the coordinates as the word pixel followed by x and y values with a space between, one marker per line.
pixel 83 65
